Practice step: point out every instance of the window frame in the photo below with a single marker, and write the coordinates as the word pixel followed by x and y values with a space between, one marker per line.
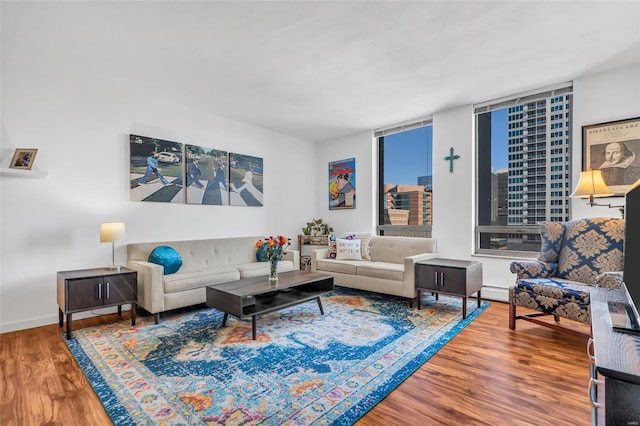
pixel 547 94
pixel 379 134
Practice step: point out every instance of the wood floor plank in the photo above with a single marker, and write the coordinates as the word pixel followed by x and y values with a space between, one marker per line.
pixel 487 375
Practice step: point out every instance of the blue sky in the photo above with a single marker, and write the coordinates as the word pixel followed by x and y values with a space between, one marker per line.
pixel 408 154
pixel 499 139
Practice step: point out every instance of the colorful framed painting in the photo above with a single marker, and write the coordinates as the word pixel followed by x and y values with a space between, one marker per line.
pixel 245 180
pixel 23 158
pixel 206 176
pixel 342 184
pixel 156 170
pixel 614 148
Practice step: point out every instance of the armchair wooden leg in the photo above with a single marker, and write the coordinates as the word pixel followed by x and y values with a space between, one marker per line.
pixel 556 318
pixel 156 318
pixel 512 316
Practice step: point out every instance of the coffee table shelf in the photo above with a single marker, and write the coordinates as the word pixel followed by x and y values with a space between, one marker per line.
pixel 250 297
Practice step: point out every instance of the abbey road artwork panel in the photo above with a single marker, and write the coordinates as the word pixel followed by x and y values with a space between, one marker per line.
pixel 206 176
pixel 245 180
pixel 156 170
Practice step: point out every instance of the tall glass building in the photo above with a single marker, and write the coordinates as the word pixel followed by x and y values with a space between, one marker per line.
pixel 539 141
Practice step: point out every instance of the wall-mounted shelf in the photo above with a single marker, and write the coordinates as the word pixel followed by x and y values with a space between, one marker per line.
pixel 34 173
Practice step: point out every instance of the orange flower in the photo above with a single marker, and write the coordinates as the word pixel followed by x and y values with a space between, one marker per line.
pixel 259 244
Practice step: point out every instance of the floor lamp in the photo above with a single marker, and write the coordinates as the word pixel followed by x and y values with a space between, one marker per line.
pixel 110 232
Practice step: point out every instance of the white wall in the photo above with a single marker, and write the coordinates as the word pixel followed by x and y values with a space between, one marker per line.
pixel 81 127
pixel 597 98
pixel 360 146
pixel 600 98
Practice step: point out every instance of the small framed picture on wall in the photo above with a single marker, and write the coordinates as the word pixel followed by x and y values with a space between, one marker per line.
pixel 23 158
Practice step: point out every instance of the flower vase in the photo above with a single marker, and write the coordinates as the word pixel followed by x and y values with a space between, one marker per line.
pixel 273 272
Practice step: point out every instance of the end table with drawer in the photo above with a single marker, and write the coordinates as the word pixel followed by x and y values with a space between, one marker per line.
pixel 86 289
pixel 450 276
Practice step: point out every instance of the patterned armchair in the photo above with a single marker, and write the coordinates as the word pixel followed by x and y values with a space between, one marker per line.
pixel 574 256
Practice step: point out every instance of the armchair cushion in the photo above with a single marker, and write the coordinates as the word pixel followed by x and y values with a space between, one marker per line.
pixel 552 235
pixel 591 247
pixel 609 280
pixel 533 269
pixel 553 296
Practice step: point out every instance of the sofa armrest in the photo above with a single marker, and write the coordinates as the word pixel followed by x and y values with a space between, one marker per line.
pixel 318 254
pixel 410 266
pixel 609 279
pixel 294 256
pixel 533 269
pixel 150 286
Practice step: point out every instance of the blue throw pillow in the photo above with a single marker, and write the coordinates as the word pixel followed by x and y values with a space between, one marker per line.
pixel 261 253
pixel 168 257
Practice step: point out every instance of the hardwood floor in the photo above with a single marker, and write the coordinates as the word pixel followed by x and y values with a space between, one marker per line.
pixel 487 375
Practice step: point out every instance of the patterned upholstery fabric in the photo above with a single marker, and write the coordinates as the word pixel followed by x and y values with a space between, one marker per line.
pixel 574 256
pixel 552 235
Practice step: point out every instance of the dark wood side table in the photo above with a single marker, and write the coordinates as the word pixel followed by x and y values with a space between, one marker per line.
pixel 450 276
pixel 86 289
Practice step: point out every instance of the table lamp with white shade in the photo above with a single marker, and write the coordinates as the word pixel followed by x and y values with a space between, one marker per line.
pixel 110 232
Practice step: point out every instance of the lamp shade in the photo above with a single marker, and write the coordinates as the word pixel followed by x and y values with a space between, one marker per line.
pixel 111 231
pixel 591 184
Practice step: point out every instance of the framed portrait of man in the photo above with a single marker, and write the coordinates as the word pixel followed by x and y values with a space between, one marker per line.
pixel 613 148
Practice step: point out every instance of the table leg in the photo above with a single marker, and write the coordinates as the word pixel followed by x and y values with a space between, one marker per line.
pixel 134 308
pixel 60 317
pixel 253 327
pixel 69 326
pixel 464 307
pixel 419 299
pixel 224 319
pixel 320 306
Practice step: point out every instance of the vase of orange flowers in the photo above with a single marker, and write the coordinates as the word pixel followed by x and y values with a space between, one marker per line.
pixel 274 251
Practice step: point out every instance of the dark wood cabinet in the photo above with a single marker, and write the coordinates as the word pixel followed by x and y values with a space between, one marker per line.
pixel 450 276
pixel 615 373
pixel 86 289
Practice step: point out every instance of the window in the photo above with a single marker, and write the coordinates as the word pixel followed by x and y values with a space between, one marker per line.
pixel 503 226
pixel 405 180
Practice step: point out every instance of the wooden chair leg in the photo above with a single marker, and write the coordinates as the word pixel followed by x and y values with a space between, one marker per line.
pixel 556 318
pixel 512 316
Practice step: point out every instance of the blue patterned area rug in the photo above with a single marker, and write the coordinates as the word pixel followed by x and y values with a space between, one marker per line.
pixel 303 368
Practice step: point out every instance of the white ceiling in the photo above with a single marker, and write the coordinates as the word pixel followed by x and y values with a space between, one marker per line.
pixel 320 70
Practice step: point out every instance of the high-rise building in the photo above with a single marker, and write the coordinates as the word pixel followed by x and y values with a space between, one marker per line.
pixel 538 174
pixel 412 198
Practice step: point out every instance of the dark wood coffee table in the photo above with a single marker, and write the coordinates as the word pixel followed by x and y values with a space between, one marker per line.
pixel 250 297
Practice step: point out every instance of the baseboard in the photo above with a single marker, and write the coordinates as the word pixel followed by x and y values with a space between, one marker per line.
pixel 500 294
pixel 53 319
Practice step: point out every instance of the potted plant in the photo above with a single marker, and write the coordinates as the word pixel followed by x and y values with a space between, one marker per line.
pixel 317 227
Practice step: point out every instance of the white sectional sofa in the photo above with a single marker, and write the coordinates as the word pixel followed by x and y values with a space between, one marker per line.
pixel 391 269
pixel 204 262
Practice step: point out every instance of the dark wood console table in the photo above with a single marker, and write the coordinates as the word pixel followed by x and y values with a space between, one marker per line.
pixel 450 276
pixel 617 360
pixel 86 289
